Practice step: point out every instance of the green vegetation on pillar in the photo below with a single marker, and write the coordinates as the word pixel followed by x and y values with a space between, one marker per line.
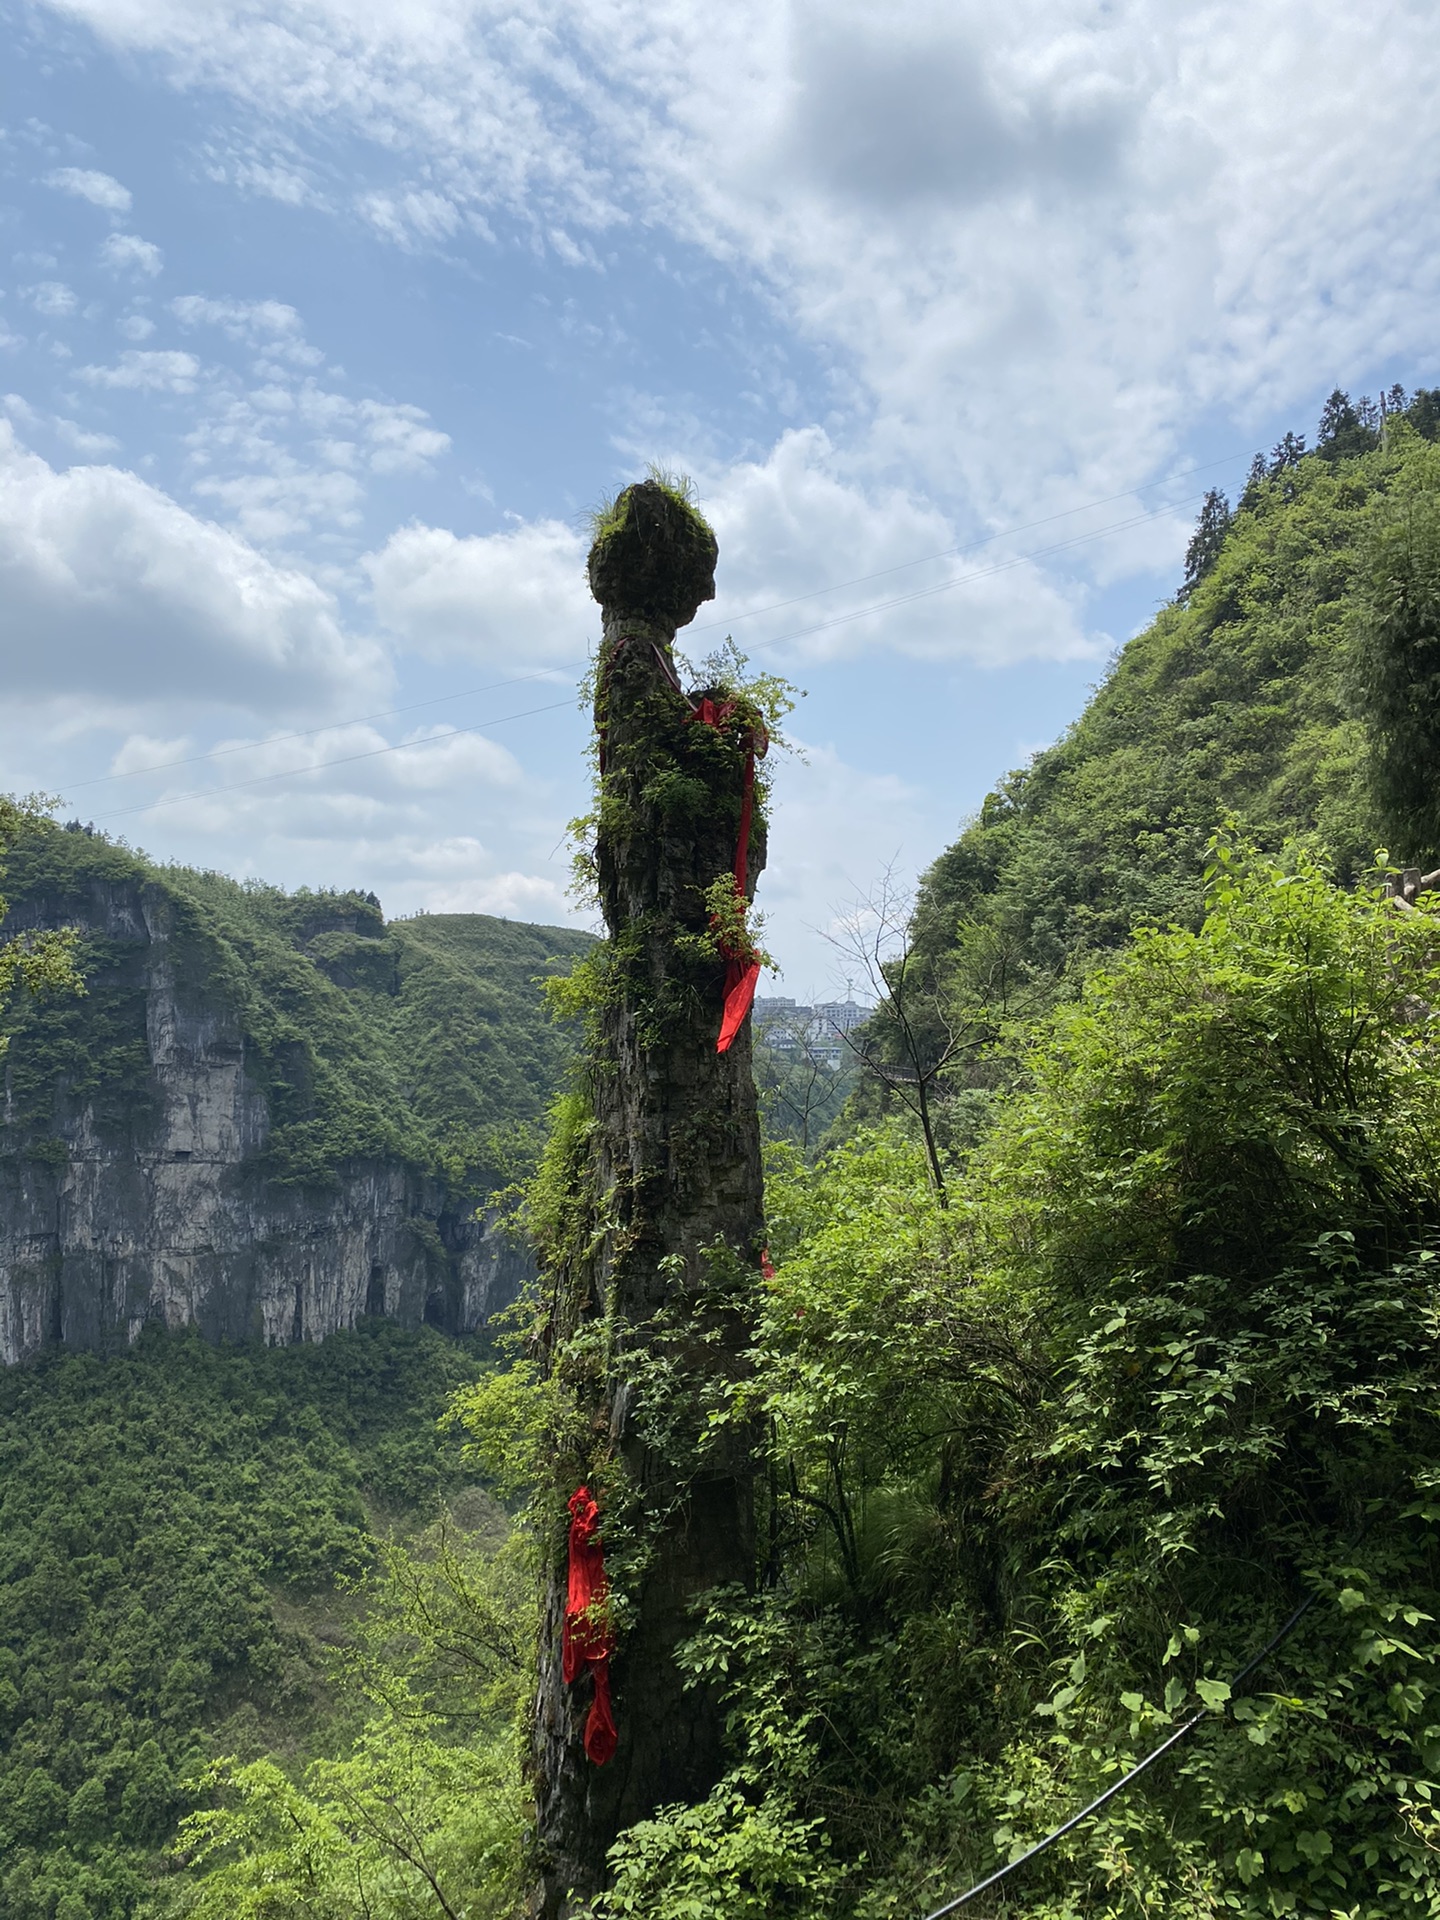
pixel 649 1207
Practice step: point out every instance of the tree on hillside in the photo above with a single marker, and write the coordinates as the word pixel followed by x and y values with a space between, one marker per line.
pixel 1207 540
pixel 1396 677
pixel 802 1089
pixel 1254 480
pixel 1346 428
pixel 1423 412
pixel 914 1034
pixel 33 961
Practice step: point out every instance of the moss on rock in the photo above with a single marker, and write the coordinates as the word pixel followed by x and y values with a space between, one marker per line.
pixel 653 555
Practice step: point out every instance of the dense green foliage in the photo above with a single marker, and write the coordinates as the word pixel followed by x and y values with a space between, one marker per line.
pixel 176 1525
pixel 1050 1451
pixel 426 1038
pixel 1051 1463
pixel 423 1814
pixel 38 963
pixel 1397 675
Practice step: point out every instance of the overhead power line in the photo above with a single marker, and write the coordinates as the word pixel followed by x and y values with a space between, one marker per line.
pixel 984 540
pixel 821 626
pixel 324 766
pixel 309 733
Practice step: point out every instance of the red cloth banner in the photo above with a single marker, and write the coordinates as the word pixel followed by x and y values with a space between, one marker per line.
pixel 742 968
pixel 586 1642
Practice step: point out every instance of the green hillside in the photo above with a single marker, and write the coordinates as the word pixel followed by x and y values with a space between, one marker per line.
pixel 1048 1455
pixel 181 1528
pixel 1240 699
pixel 191 1535
pixel 423 1039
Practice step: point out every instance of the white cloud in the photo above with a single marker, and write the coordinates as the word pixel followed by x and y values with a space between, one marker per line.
pixel 82 440
pixel 277 506
pixel 128 253
pixel 52 298
pixel 139 751
pixel 399 439
pixel 290 188
pixel 788 526
pixel 441 756
pixel 70 432
pixel 1043 238
pixel 798 521
pixel 135 326
pixel 116 596
pixel 100 189
pixel 289 455
pixel 505 597
pixel 241 319
pixel 158 372
pixel 513 896
pixel 411 219
pixel 268 325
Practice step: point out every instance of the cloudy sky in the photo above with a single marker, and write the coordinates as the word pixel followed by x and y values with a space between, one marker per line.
pixel 325 321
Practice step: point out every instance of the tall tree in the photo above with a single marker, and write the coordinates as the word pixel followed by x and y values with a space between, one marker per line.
pixel 1397 677
pixel 657 1246
pixel 1207 540
pixel 1346 428
pixel 1254 480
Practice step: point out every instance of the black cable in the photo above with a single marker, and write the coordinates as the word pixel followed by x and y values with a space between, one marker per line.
pixel 1119 1786
pixel 984 540
pixel 815 593
pixel 324 766
pixel 309 733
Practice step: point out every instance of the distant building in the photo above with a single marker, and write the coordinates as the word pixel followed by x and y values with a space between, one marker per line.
pixel 817 1031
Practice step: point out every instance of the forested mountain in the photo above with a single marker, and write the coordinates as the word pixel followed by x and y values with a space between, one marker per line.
pixel 1247 697
pixel 267 1113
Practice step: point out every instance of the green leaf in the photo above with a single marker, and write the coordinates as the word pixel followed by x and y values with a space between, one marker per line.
pixel 1249 1864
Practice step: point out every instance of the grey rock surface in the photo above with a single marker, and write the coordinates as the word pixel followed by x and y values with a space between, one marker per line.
pixel 172 1217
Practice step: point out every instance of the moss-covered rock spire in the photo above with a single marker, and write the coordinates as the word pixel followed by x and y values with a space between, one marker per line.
pixel 657 1237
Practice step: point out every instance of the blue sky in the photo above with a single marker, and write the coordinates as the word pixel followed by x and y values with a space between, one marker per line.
pixel 323 324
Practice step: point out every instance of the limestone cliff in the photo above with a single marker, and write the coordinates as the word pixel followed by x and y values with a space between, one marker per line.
pixel 266 1116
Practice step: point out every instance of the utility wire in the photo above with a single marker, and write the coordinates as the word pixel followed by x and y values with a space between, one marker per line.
pixel 324 766
pixel 822 626
pixel 1119 1786
pixel 309 733
pixel 985 540
pixel 815 593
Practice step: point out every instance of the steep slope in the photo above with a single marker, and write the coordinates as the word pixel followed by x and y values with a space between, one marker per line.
pixel 1234 701
pixel 269 1115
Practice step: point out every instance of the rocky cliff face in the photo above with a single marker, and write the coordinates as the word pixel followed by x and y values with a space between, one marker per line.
pixel 146 1190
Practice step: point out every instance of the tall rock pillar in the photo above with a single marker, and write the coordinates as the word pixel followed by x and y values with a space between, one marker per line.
pixel 651 1278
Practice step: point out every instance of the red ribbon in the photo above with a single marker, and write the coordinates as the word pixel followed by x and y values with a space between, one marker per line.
pixel 586 1641
pixel 742 968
